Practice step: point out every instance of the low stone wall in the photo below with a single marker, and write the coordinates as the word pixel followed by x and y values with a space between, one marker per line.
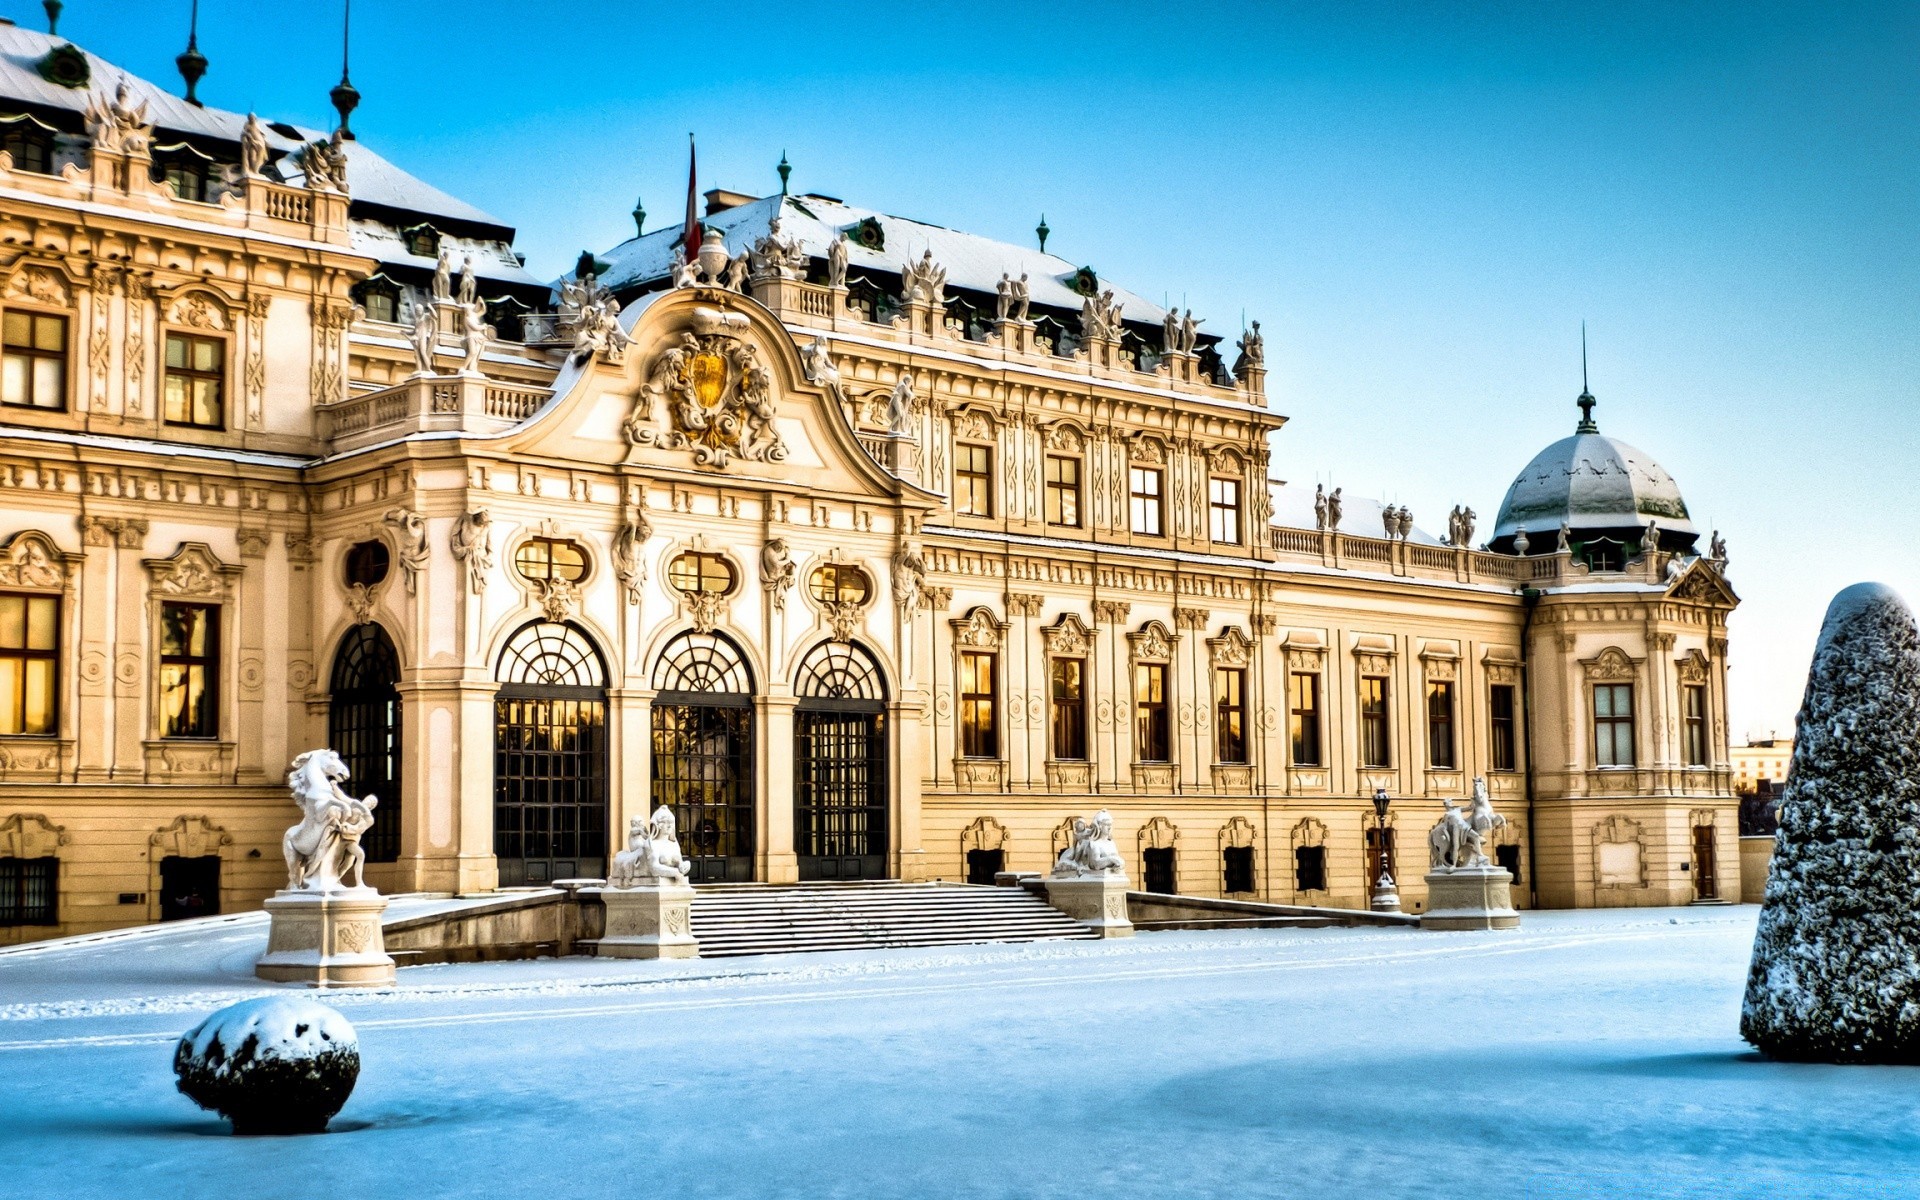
pixel 1149 910
pixel 517 926
pixel 1755 855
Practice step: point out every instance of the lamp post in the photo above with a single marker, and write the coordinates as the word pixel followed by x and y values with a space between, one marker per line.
pixel 1386 897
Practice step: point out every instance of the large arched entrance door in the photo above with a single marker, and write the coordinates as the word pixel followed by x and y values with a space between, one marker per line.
pixel 363 727
pixel 840 765
pixel 550 757
pixel 703 753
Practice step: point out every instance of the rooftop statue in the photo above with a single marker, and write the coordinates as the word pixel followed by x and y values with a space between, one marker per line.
pixel 475 333
pixel 443 277
pixel 1003 298
pixel 1563 543
pixel 253 147
pixel 1333 509
pixel 1717 552
pixel 1092 851
pixel 424 336
pixel 1018 289
pixel 837 262
pixel 325 163
pixel 468 288
pixel 777 257
pixel 1320 506
pixel 1253 352
pixel 924 281
pixel 118 124
pixel 324 848
pixel 652 857
pixel 1189 332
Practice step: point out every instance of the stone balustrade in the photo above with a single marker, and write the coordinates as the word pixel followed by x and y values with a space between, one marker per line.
pixel 466 403
pixel 1351 552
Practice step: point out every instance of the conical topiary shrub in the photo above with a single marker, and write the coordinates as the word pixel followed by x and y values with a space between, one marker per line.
pixel 1836 960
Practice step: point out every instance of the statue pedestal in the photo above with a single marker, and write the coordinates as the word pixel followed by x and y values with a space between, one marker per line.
pixel 647 922
pixel 1469 898
pixel 1097 901
pixel 327 939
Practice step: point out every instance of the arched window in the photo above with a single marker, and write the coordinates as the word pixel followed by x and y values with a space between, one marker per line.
pixel 840 776
pixel 363 726
pixel 697 571
pixel 703 753
pixel 550 757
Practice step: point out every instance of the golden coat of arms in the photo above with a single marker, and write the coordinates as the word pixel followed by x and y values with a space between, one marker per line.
pixel 716 393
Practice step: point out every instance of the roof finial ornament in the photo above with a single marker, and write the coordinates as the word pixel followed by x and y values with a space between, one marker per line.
pixel 1586 401
pixel 639 217
pixel 344 96
pixel 192 63
pixel 785 168
pixel 1043 231
pixel 53 8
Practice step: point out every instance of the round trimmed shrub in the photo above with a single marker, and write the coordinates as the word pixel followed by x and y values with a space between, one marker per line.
pixel 274 1064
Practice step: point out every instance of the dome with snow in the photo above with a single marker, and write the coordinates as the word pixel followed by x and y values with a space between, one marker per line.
pixel 1602 488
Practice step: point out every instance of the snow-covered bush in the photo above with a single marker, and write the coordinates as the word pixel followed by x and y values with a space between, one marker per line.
pixel 274 1064
pixel 1836 960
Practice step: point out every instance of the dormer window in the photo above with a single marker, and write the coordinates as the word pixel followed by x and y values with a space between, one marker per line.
pixel 187 171
pixel 1605 554
pixel 423 241
pixel 30 146
pixel 379 298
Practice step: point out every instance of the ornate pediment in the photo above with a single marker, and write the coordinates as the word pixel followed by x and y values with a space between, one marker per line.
pixel 1068 637
pixel 709 393
pixel 1693 668
pixel 1151 642
pixel 1611 665
pixel 1701 584
pixel 193 573
pixel 32 561
pixel 980 630
pixel 1231 649
pixel 30 835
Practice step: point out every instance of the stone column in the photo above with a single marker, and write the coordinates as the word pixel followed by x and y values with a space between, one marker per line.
pixel 910 737
pixel 447 826
pixel 629 762
pixel 775 861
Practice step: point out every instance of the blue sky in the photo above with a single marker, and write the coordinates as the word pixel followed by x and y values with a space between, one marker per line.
pixel 1420 202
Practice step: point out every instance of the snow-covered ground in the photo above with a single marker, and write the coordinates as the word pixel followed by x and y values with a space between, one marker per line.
pixel 1584 1055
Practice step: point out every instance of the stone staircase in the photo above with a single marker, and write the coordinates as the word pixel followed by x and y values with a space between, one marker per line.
pixel 747 918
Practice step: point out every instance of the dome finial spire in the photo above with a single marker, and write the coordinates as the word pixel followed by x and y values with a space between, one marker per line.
pixel 1586 400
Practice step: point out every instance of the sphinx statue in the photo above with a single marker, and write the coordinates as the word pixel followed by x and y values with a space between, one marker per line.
pixel 1092 851
pixel 652 857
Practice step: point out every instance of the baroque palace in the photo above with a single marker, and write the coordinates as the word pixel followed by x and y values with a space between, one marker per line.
pixel 874 549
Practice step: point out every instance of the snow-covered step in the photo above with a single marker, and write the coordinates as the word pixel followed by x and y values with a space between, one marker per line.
pixel 739 919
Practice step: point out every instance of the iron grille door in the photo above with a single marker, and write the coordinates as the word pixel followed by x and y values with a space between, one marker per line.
pixel 549 786
pixel 703 771
pixel 840 794
pixel 363 724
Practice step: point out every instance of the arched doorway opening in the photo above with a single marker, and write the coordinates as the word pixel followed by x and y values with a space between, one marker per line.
pixel 703 753
pixel 840 793
pixel 550 757
pixel 363 727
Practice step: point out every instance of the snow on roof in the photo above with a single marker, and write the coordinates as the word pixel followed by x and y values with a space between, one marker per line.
pixel 1360 516
pixel 491 259
pixel 972 262
pixel 372 178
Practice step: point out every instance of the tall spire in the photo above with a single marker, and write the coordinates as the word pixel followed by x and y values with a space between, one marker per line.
pixel 1042 230
pixel 344 96
pixel 191 62
pixel 1586 400
pixel 53 8
pixel 785 168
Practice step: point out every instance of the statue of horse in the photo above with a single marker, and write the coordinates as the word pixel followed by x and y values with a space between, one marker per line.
pixel 1453 843
pixel 325 846
pixel 1480 814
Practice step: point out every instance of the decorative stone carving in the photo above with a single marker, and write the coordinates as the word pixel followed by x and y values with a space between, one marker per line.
pixel 777 571
pixel 559 599
pixel 1460 526
pixel 718 396
pixel 475 333
pixel 984 833
pixel 40 284
pixel 188 837
pixel 775 256
pixel 1111 612
pixel 1151 642
pixel 410 532
pixel 629 563
pixel 1092 851
pixel 360 603
pixel 31 835
pixel 1610 666
pixel 1693 669
pixel 193 573
pixel 1191 618
pixel 900 405
pixel 816 362
pixel 31 560
pixel 909 574
pixel 253 148
pixel 1231 649
pixel 472 545
pixel 1619 853
pixel 837 261
pixel 1068 637
pixel 1253 353
pixel 1100 317
pixel 593 315
pixel 1459 839
pixel 325 164
pixel 978 630
pixel 652 858
pixel 324 848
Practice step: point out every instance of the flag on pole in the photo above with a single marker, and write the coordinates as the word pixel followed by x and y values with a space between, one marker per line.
pixel 690 235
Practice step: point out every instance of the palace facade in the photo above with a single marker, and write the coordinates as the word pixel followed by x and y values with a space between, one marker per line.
pixel 875 549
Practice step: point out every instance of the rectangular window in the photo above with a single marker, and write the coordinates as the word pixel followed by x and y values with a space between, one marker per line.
pixel 1230 715
pixel 29 663
pixel 1505 731
pixel 31 149
pixel 1150 740
pixel 195 378
pixel 973 480
pixel 1303 701
pixel 1694 698
pixel 1375 743
pixel 1309 868
pixel 1157 871
pixel 33 371
pixel 1440 725
pixel 1613 724
pixel 979 728
pixel 29 891
pixel 1069 709
pixel 1237 867
pixel 189 670
pixel 1148 511
pixel 1063 491
pixel 188 180
pixel 1223 508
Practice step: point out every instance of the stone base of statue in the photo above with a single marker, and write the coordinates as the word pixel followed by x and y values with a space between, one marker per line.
pixel 1097 901
pixel 1470 898
pixel 327 939
pixel 647 922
